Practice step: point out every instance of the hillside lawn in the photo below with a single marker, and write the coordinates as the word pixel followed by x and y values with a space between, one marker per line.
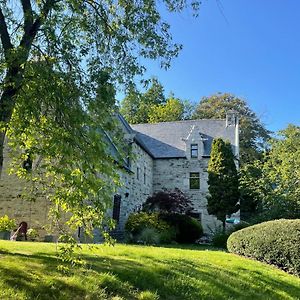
pixel 29 271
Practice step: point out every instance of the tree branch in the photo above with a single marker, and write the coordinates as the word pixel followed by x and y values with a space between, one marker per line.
pixel 30 34
pixel 5 38
pixel 28 15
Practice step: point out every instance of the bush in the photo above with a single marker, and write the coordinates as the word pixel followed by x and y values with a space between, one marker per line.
pixel 187 229
pixel 168 201
pixel 32 234
pixel 136 222
pixel 149 236
pixel 274 242
pixel 7 224
pixel 220 238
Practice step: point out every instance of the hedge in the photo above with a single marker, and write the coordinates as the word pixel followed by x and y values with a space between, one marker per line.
pixel 274 242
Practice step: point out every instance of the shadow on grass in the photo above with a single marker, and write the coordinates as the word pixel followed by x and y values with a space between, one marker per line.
pixel 172 278
pixel 183 279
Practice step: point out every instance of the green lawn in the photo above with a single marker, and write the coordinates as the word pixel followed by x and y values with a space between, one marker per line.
pixel 28 271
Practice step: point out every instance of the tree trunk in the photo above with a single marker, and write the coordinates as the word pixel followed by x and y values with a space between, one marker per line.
pixel 224 225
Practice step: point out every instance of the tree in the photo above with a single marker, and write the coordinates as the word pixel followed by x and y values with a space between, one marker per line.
pixel 223 183
pixel 153 107
pixel 59 63
pixel 253 134
pixel 173 110
pixel 169 202
pixel 275 184
pixel 136 106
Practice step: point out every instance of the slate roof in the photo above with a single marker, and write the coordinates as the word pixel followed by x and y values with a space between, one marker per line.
pixel 167 139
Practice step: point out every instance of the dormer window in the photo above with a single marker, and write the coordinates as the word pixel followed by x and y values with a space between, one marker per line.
pixel 194 150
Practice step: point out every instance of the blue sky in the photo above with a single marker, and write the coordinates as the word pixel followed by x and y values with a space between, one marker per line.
pixel 248 48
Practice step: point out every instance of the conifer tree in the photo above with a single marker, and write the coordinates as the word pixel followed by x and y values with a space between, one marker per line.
pixel 223 181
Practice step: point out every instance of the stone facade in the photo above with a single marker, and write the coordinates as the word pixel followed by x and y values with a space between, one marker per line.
pixel 137 184
pixel 175 173
pixel 164 156
pixel 35 214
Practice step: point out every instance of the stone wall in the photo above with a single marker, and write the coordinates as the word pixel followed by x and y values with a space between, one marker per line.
pixel 175 173
pixel 136 187
pixel 35 214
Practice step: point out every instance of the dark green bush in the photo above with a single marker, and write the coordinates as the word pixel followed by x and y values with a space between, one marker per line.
pixel 187 229
pixel 220 238
pixel 274 242
pixel 171 227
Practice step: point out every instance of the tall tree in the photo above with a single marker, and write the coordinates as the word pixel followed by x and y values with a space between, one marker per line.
pixel 59 61
pixel 274 182
pixel 173 110
pixel 137 106
pixel 253 134
pixel 223 185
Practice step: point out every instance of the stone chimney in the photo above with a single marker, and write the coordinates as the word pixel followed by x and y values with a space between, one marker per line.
pixel 231 118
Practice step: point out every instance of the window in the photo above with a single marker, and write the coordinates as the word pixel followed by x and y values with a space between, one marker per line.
pixel 145 175
pixel 194 150
pixel 138 173
pixel 116 208
pixel 195 181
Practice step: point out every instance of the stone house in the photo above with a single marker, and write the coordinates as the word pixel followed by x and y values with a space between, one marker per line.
pixel 172 155
pixel 165 156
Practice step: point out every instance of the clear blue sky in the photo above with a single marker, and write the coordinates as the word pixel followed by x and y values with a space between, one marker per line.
pixel 250 48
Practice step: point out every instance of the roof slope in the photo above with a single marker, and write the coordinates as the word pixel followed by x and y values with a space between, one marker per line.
pixel 167 139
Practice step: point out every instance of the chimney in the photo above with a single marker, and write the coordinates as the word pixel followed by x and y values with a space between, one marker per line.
pixel 231 118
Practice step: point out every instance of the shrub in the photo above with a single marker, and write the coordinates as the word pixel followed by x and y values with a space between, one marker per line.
pixel 187 229
pixel 32 233
pixel 7 224
pixel 274 242
pixel 136 222
pixel 149 236
pixel 220 238
pixel 168 201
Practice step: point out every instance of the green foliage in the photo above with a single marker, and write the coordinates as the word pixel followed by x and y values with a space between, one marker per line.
pixel 7 224
pixel 149 236
pixel 59 64
pixel 153 107
pixel 137 222
pixel 164 228
pixel 222 181
pixel 32 233
pixel 187 229
pixel 136 106
pixel 272 185
pixel 253 134
pixel 220 237
pixel 173 110
pixel 274 242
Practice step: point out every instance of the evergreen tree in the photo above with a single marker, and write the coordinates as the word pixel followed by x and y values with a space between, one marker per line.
pixel 223 181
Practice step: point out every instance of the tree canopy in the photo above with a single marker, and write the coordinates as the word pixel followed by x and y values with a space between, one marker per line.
pixel 253 134
pixel 223 185
pixel 274 183
pixel 60 62
pixel 153 107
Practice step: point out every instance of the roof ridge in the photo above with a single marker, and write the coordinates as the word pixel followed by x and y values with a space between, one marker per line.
pixel 181 121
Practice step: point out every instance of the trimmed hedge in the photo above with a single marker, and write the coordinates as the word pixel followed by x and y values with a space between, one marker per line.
pixel 274 242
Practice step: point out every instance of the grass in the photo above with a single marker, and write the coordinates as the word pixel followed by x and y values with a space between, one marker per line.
pixel 29 271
